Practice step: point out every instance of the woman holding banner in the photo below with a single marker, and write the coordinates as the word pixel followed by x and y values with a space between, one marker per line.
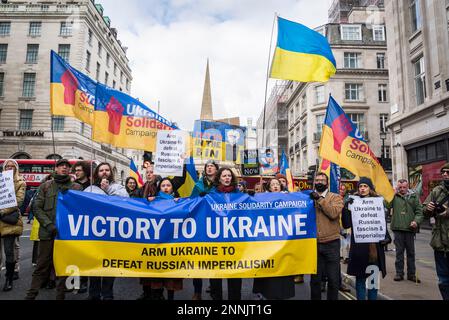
pixel 11 225
pixel 165 191
pixel 364 258
pixel 225 182
pixel 276 288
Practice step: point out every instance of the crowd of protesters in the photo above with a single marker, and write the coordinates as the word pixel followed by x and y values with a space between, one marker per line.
pixel 335 241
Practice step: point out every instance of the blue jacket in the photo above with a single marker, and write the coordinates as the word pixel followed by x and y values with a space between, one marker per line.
pixel 201 186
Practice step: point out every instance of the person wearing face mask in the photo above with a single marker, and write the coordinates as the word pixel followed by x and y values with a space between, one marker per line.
pixel 328 207
pixel 274 288
pixel 363 255
pixel 225 182
pixel 436 206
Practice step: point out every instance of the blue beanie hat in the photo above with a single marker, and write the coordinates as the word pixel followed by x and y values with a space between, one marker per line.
pixel 367 181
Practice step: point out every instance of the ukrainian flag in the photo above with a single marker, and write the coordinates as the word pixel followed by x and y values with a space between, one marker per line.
pixel 285 170
pixel 133 172
pixel 191 178
pixel 302 54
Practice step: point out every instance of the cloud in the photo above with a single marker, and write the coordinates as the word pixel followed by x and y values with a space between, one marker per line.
pixel 169 42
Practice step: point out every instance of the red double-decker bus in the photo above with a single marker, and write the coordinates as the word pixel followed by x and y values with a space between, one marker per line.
pixel 35 170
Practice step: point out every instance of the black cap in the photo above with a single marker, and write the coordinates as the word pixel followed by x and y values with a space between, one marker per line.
pixel 368 182
pixel 62 161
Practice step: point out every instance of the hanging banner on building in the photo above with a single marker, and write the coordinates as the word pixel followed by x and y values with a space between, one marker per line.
pixel 268 158
pixel 72 93
pixel 125 122
pixel 219 141
pixel 171 151
pixel 7 192
pixel 368 219
pixel 218 236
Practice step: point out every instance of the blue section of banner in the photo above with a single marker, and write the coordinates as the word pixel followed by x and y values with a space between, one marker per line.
pixel 219 131
pixel 214 218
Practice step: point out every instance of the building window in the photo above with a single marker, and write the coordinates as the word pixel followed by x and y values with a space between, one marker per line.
pixel 88 60
pixel 298 134
pixel 29 83
pixel 5 28
pixel 35 29
pixel 89 37
pixel 319 123
pixel 381 61
pixel 297 111
pixel 113 84
pixel 100 49
pixel 97 74
pixel 382 93
pixel 352 60
pixel 64 51
pixel 32 53
pixel 106 78
pixel 304 129
pixel 351 32
pixel 26 119
pixel 379 33
pixel 420 81
pixel 127 84
pixel 121 76
pixel 291 119
pixel 319 94
pixel 386 152
pixel 66 29
pixel 383 122
pixel 2 84
pixel 108 60
pixel 354 91
pixel 415 15
pixel 115 69
pixel 83 127
pixel 3 52
pixel 57 123
pixel 359 120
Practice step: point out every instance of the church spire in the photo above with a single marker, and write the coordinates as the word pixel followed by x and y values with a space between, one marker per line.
pixel 206 106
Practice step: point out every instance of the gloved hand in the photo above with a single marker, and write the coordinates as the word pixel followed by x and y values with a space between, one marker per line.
pixel 314 196
pixel 203 194
pixel 52 229
pixel 251 193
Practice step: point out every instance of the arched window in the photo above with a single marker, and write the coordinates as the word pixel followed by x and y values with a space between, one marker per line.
pixel 54 157
pixel 21 155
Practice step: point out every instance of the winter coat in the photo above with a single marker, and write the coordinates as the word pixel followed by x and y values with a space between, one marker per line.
pixel 406 209
pixel 440 230
pixel 45 205
pixel 203 185
pixel 17 229
pixel 114 189
pixel 359 252
pixel 328 212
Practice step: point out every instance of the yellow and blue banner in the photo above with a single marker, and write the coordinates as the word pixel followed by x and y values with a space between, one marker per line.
pixel 302 54
pixel 185 190
pixel 72 93
pixel 125 122
pixel 285 170
pixel 343 144
pixel 217 236
pixel 134 172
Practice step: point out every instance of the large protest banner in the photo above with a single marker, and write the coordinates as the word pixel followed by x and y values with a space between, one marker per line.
pixel 218 236
pixel 72 93
pixel 368 219
pixel 7 192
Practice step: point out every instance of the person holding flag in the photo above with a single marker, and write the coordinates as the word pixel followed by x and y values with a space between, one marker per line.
pixel 286 174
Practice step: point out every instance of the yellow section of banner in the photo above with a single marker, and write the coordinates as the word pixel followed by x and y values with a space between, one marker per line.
pixel 81 108
pixel 186 260
pixel 206 149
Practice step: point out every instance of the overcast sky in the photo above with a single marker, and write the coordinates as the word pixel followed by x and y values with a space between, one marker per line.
pixel 169 42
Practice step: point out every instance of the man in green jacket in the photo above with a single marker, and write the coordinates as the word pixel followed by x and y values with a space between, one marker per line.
pixel 45 212
pixel 437 207
pixel 407 215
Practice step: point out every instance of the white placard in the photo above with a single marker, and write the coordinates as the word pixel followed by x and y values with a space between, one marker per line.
pixel 368 220
pixel 170 153
pixel 7 192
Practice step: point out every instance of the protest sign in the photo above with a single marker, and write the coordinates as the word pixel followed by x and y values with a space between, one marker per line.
pixel 217 236
pixel 7 192
pixel 170 153
pixel 368 219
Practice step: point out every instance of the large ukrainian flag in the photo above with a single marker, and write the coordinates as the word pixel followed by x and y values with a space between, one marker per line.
pixel 302 54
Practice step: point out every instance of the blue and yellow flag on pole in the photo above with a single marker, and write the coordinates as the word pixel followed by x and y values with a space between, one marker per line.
pixel 191 179
pixel 285 170
pixel 302 54
pixel 125 122
pixel 134 172
pixel 72 93
pixel 334 174
pixel 343 144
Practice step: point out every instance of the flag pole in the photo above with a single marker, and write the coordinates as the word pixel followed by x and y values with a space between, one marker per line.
pixel 53 137
pixel 267 78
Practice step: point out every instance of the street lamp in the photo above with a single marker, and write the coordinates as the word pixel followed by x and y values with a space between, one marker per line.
pixel 383 137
